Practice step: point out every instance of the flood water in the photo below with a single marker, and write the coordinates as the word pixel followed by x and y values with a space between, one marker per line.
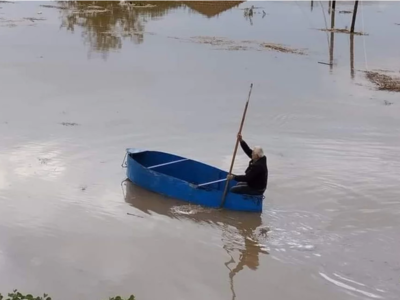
pixel 80 84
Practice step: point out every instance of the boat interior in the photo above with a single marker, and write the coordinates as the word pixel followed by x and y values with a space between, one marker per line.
pixel 203 175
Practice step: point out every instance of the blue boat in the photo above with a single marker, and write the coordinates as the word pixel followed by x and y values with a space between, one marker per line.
pixel 185 179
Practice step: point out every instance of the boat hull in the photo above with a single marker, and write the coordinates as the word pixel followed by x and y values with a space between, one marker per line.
pixel 181 178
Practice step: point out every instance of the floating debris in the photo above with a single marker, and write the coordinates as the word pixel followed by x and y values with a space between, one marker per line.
pixel 215 41
pixel 248 12
pixel 340 30
pixel 69 124
pixel 233 48
pixel 44 161
pixel 35 19
pixel 345 12
pixel 324 63
pixel 264 231
pixel 54 6
pixel 281 48
pixel 243 45
pixel 13 23
pixel 397 24
pixel 383 81
pixel 385 102
pixel 129 214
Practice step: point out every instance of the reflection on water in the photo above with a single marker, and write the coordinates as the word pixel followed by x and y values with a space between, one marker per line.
pixel 240 231
pixel 105 24
pixel 211 9
pixel 33 160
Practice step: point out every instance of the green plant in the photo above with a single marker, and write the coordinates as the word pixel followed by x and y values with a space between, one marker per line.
pixel 15 295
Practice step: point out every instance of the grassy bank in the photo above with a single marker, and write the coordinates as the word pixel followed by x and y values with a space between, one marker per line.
pixel 15 295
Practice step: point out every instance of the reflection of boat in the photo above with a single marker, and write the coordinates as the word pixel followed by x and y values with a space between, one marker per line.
pixel 231 224
pixel 185 179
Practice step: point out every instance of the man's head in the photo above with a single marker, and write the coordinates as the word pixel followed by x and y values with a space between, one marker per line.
pixel 257 153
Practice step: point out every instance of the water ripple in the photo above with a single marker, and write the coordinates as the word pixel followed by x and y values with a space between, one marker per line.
pixel 350 288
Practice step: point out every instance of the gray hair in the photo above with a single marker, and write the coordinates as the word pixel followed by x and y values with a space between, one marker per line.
pixel 258 151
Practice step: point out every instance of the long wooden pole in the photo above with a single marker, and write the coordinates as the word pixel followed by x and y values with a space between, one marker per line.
pixel 331 48
pixel 352 55
pixel 236 146
pixel 353 21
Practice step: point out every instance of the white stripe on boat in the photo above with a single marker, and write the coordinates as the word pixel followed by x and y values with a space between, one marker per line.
pixel 211 182
pixel 168 163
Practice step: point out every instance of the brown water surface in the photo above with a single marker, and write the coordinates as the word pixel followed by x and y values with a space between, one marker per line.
pixel 82 81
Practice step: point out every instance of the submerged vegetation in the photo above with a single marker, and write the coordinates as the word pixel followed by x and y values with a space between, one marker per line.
pixel 383 81
pixel 227 44
pixel 15 295
pixel 341 30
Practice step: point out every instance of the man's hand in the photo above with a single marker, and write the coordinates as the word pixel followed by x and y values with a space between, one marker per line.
pixel 230 176
pixel 239 136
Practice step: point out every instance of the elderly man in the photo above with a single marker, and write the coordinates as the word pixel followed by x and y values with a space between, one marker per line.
pixel 255 180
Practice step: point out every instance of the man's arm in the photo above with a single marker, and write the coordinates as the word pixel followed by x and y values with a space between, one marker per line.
pixel 249 176
pixel 244 146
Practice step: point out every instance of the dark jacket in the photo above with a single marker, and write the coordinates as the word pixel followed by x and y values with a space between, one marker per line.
pixel 256 174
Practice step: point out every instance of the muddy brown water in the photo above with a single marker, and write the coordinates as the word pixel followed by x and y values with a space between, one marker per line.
pixel 80 84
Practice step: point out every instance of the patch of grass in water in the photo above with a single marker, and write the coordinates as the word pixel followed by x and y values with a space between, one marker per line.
pixel 244 45
pixel 384 82
pixel 15 295
pixel 69 124
pixel 35 19
pixel 281 48
pixel 341 30
pixel 53 6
